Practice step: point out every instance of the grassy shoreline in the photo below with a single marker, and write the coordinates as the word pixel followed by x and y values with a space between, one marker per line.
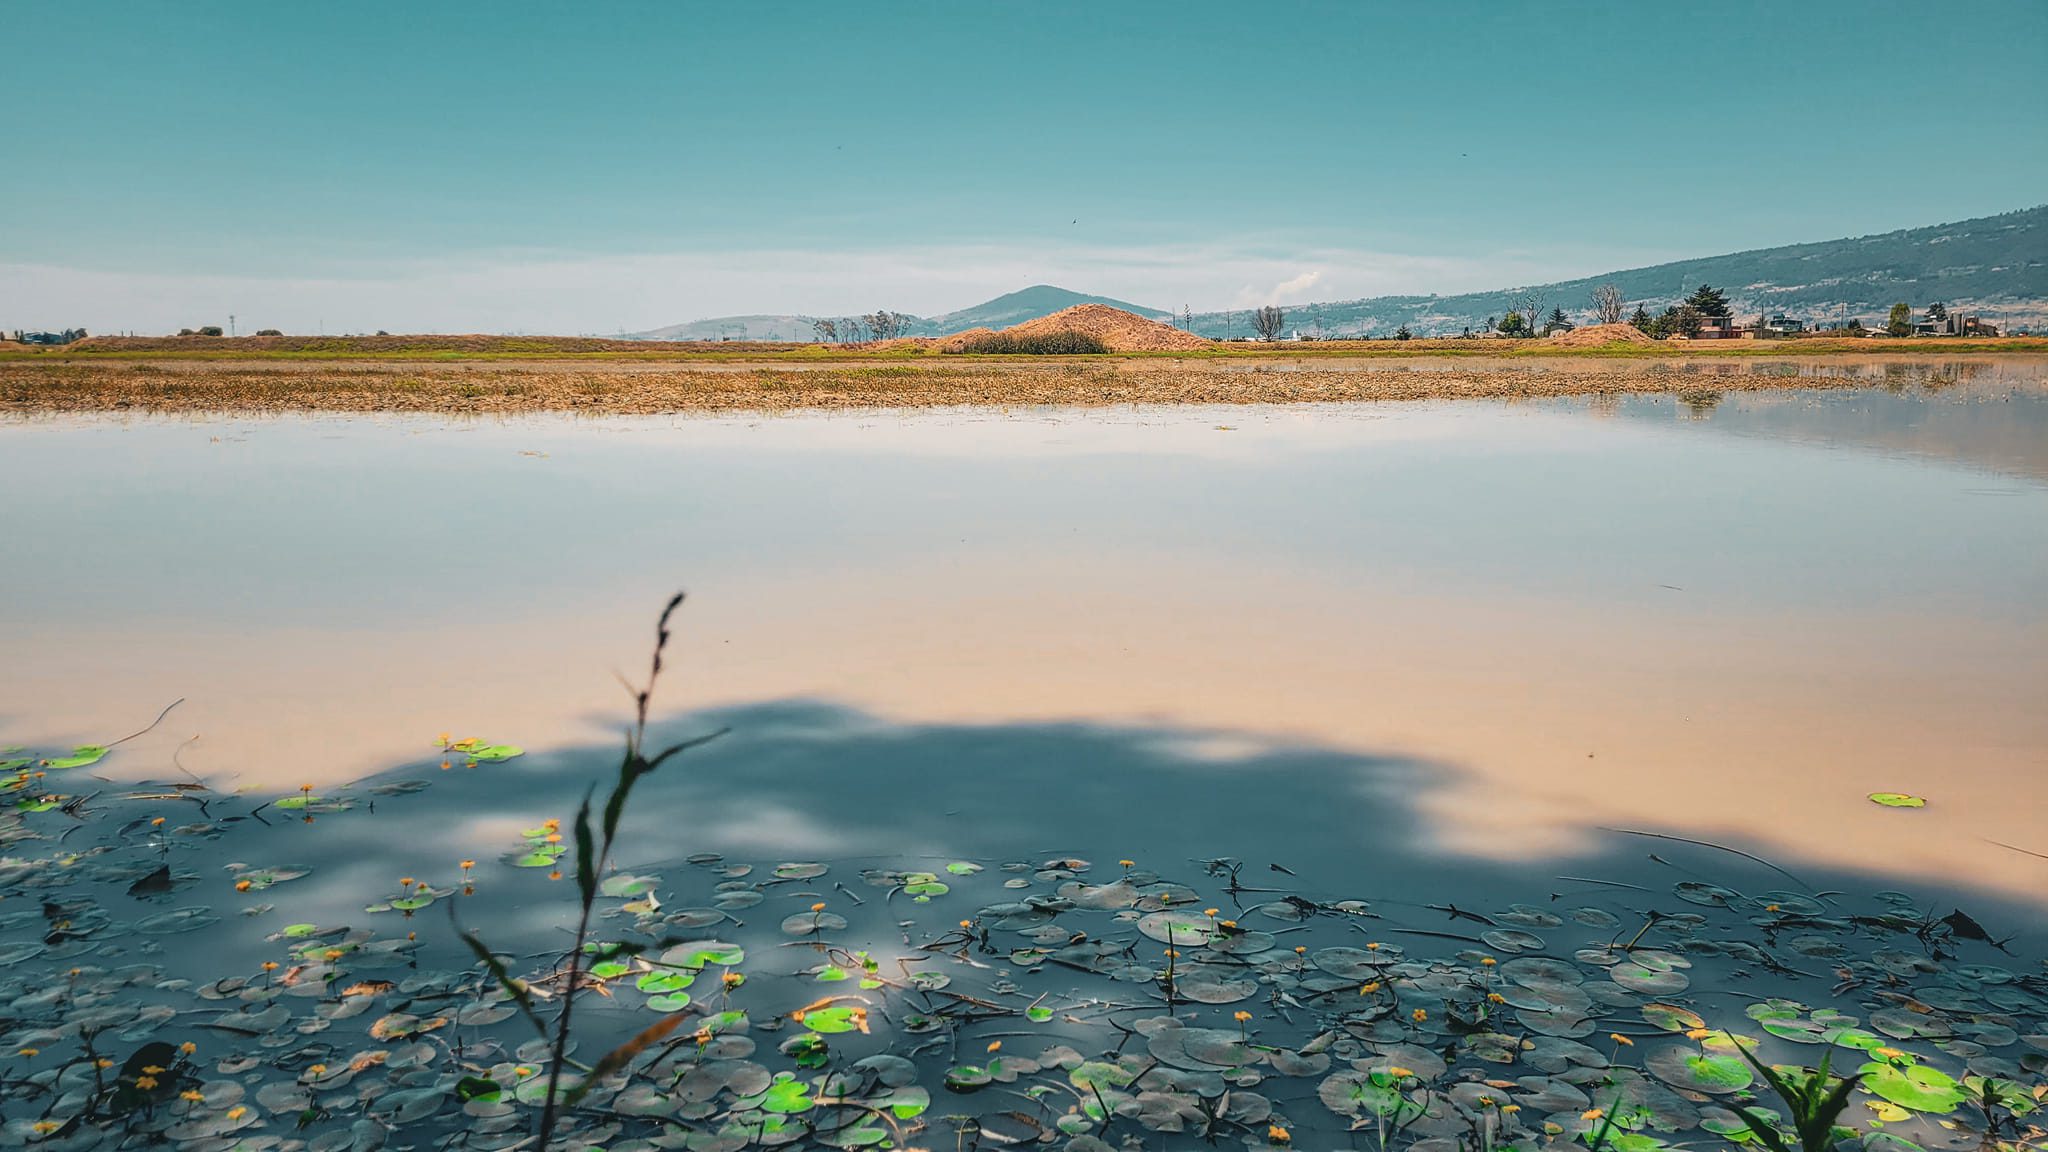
pixel 57 385
pixel 492 349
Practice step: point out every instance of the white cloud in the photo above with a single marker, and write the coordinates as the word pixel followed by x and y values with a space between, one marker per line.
pixel 555 293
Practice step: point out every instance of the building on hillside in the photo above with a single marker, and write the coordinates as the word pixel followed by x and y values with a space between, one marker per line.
pixel 1780 324
pixel 1953 324
pixel 1722 328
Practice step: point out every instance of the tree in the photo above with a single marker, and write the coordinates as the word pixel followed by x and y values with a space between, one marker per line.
pixel 826 330
pixel 1557 322
pixel 1607 304
pixel 1268 321
pixel 1512 324
pixel 1641 319
pixel 1187 317
pixel 268 332
pixel 1900 323
pixel 1529 303
pixel 1490 322
pixel 885 325
pixel 1710 303
pixel 1937 312
pixel 1402 333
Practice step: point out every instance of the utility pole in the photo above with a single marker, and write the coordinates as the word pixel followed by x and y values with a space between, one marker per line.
pixel 231 323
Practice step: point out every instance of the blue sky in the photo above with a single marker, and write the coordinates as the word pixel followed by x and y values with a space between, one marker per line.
pixel 591 166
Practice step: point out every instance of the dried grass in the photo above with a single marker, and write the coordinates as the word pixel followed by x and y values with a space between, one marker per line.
pixel 36 385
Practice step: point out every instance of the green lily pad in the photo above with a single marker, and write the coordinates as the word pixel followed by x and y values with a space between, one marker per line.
pixel 1917 1086
pixel 663 981
pixel 1897 800
pixel 834 1018
pixel 1695 1070
pixel 80 756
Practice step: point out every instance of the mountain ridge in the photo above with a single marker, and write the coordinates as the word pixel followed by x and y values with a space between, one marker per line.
pixel 1996 264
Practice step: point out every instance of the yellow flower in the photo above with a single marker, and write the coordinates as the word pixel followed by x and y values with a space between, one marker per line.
pixel 1242 1016
pixel 522 1071
pixel 1372 946
pixel 1770 908
pixel 157 823
pixel 145 1082
pixel 1487 961
pixel 29 1052
pixel 1592 1114
pixel 103 1062
pixel 317 1070
pixel 1400 1073
pixel 1618 1038
pixel 151 1070
pixel 1228 923
pixel 1368 989
pixel 1495 998
pixel 1211 912
pixel 332 953
pixel 241 885
pixel 188 1048
pixel 468 864
pixel 1127 863
pixel 270 965
pixel 405 881
pixel 1699 1034
pixel 45 1127
pixel 967 923
pixel 818 907
pixel 555 875
pixel 1300 950
pixel 193 1097
pixel 1419 1015
pixel 1511 1108
pixel 995 1045
pixel 554 837
pixel 1276 1134
pixel 1888 1053
pixel 237 1112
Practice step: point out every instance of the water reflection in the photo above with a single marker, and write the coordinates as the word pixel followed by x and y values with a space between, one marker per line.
pixel 1556 616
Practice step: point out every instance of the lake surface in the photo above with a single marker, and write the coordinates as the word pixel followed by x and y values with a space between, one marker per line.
pixel 1728 618
pixel 1593 691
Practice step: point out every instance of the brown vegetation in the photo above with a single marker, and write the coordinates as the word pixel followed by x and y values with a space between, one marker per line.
pixel 1596 335
pixel 1119 331
pixel 41 384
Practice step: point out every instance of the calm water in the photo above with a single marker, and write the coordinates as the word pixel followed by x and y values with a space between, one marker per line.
pixel 1469 634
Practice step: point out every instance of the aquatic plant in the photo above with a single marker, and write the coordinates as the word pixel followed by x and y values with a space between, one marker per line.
pixel 1816 1101
pixel 593 861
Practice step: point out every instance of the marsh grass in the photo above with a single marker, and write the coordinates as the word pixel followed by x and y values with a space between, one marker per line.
pixel 593 858
pixel 1813 1101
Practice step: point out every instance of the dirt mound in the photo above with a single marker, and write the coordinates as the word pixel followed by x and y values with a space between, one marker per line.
pixel 1119 331
pixel 1593 335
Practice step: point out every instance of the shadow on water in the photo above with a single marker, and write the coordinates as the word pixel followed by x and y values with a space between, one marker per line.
pixel 1191 931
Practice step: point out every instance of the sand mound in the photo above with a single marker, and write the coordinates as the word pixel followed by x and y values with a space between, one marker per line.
pixel 1119 331
pixel 1595 334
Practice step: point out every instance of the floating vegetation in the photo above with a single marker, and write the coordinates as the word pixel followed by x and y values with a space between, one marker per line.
pixel 1897 800
pixel 724 1005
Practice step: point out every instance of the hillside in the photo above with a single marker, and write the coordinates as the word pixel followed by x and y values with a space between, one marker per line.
pixel 1031 303
pixel 1002 312
pixel 1997 265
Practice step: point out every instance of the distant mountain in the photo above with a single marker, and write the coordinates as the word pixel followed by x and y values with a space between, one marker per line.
pixel 1997 265
pixel 1028 304
pixel 1001 312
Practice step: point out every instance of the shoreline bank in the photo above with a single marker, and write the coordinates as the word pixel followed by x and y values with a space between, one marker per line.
pixel 639 388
